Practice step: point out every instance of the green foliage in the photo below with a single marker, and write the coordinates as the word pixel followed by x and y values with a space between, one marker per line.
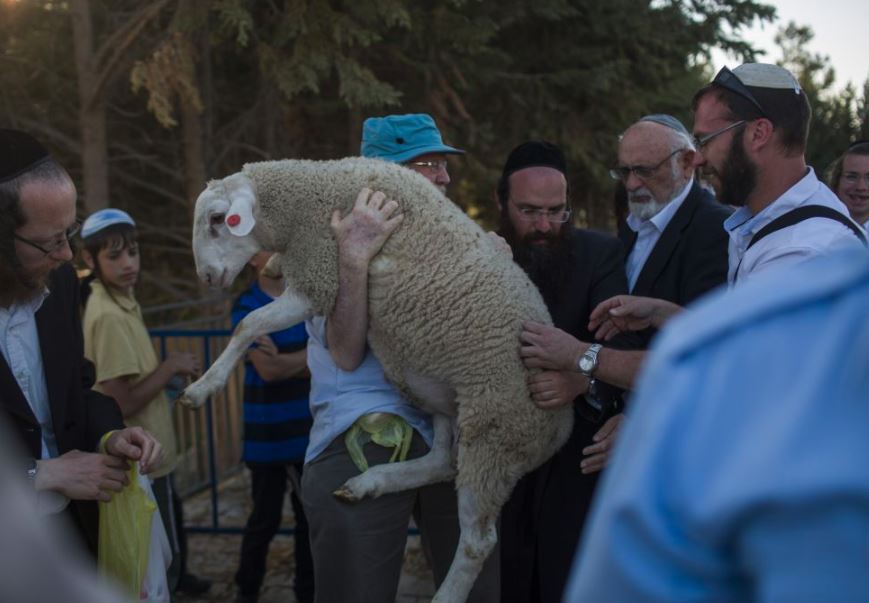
pixel 168 73
pixel 837 119
pixel 234 20
pixel 221 82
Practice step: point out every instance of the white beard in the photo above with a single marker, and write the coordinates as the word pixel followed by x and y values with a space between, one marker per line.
pixel 647 210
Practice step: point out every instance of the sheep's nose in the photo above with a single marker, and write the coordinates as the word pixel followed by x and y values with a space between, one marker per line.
pixel 208 278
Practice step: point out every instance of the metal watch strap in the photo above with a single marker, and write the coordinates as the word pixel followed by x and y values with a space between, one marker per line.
pixel 32 468
pixel 591 355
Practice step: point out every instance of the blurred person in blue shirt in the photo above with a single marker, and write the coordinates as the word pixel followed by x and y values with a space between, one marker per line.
pixel 277 421
pixel 741 471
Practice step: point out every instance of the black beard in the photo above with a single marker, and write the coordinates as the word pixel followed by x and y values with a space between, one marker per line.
pixel 15 286
pixel 738 176
pixel 547 265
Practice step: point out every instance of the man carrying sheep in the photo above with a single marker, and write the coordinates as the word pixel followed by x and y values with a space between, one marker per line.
pixel 358 548
pixel 574 270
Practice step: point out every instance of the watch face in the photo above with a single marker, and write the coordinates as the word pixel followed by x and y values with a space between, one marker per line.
pixel 585 363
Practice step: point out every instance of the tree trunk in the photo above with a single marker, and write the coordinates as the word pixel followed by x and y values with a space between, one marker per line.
pixel 92 112
pixel 194 160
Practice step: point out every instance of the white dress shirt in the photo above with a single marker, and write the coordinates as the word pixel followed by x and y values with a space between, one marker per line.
pixel 797 243
pixel 19 343
pixel 648 233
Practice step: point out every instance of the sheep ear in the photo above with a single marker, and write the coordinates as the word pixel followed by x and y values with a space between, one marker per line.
pixel 242 198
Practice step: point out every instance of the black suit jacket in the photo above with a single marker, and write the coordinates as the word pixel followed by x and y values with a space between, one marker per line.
pixel 690 258
pixel 542 521
pixel 79 415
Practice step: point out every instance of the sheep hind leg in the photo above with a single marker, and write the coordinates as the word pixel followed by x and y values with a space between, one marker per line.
pixel 288 309
pixel 477 540
pixel 435 466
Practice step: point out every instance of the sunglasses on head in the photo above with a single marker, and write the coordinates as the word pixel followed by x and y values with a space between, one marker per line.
pixel 728 80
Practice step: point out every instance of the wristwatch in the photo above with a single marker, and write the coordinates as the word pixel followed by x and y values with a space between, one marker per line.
pixel 587 363
pixel 32 468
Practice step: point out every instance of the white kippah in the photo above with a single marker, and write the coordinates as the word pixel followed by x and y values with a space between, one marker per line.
pixel 764 75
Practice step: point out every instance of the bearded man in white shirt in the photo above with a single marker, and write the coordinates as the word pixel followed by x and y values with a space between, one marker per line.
pixel 73 441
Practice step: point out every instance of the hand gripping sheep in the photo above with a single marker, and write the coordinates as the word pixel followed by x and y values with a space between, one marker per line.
pixel 446 308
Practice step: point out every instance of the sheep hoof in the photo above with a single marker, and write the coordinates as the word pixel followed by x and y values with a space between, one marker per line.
pixel 346 494
pixel 194 395
pixel 188 401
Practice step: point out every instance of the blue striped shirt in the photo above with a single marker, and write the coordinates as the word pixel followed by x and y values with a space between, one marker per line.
pixel 277 418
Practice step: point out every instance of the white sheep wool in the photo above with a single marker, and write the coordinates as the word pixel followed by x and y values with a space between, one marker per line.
pixel 446 307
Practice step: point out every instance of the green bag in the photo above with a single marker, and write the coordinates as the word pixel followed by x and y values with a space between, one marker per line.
pixel 384 429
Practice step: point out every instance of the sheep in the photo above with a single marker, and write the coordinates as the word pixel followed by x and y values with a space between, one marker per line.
pixel 446 307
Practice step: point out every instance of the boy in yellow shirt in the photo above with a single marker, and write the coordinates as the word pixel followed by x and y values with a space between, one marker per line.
pixel 127 368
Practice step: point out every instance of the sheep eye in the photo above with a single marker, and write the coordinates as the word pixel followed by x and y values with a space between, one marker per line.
pixel 216 219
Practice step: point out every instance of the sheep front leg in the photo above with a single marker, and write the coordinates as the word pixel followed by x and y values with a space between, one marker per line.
pixel 285 311
pixel 435 466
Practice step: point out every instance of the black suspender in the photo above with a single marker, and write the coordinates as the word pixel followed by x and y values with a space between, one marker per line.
pixel 803 213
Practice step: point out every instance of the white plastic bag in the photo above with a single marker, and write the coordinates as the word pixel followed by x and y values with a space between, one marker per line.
pixel 155 589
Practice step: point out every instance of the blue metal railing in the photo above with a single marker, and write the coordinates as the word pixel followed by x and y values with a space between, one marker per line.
pixel 209 342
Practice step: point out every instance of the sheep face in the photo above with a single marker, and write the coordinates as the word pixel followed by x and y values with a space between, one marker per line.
pixel 224 233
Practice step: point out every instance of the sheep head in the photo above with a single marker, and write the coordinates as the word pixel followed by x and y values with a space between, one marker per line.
pixel 225 233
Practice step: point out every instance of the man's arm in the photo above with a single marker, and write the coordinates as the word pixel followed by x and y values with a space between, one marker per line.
pixel 624 313
pixel 133 397
pixel 554 389
pixel 360 235
pixel 82 475
pixel 274 366
pixel 551 348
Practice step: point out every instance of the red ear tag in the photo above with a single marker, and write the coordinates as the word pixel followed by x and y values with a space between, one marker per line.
pixel 233 220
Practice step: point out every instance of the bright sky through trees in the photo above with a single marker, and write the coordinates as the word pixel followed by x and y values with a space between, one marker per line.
pixel 840 33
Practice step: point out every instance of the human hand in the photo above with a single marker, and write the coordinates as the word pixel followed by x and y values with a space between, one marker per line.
pixel 549 347
pixel 362 232
pixel 597 455
pixel 554 389
pixel 629 313
pixel 266 345
pixel 82 475
pixel 182 363
pixel 136 444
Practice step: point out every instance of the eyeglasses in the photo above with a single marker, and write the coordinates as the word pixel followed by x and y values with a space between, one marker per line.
pixel 532 214
pixel 56 244
pixel 728 80
pixel 702 141
pixel 855 177
pixel 642 172
pixel 434 166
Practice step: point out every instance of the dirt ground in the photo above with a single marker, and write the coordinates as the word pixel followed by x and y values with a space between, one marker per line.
pixel 215 556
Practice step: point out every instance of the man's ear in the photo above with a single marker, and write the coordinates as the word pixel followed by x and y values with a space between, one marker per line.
pixel 761 133
pixel 88 258
pixel 497 200
pixel 686 161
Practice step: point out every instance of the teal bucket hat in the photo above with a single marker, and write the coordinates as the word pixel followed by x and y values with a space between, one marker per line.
pixel 400 138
